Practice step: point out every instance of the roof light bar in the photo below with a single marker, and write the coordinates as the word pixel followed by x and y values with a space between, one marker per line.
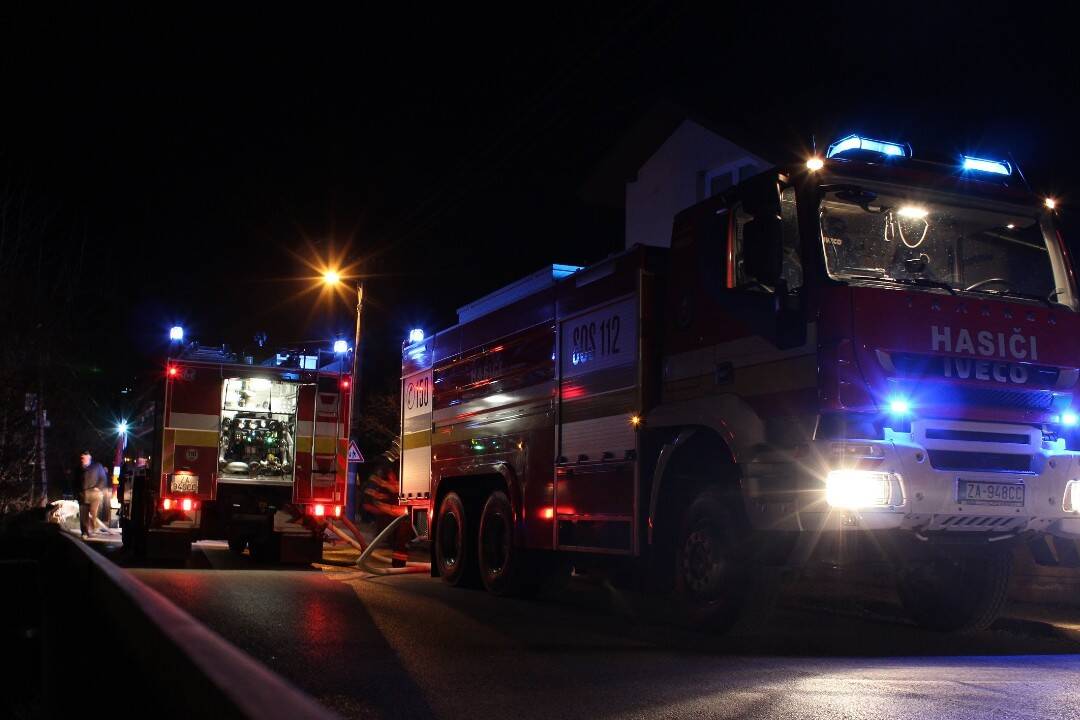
pixel 855 142
pixel 996 167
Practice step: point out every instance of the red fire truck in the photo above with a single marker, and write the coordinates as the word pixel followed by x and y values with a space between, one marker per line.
pixel 251 453
pixel 867 354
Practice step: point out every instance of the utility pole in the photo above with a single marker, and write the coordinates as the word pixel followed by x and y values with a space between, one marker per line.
pixel 354 405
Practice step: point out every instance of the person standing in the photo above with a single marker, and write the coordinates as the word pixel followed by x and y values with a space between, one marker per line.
pixel 90 482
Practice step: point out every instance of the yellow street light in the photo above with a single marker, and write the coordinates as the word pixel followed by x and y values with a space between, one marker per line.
pixel 331 277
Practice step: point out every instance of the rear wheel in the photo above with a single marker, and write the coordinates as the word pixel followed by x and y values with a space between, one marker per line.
pixel 956 593
pixel 455 542
pixel 503 567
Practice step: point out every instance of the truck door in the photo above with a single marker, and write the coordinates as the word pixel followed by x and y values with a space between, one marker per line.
pixel 190 435
pixel 599 396
pixel 322 447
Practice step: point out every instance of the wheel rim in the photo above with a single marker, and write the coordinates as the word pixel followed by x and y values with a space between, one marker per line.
pixel 495 543
pixel 702 565
pixel 449 540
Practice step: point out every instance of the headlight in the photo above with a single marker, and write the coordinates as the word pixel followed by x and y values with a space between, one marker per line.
pixel 1071 501
pixel 857 489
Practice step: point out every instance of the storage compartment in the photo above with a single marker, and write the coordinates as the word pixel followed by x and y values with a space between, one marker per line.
pixel 258 431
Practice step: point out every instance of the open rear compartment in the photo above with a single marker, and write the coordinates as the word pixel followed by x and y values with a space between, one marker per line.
pixel 258 431
pixel 256 458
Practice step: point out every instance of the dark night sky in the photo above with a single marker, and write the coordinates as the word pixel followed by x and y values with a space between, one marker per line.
pixel 204 153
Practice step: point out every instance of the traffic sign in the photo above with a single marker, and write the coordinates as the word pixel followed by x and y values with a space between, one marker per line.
pixel 354 453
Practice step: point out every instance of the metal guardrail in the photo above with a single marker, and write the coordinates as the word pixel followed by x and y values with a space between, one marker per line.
pixel 110 645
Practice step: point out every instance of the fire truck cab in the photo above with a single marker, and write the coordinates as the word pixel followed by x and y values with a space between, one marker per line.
pixel 863 351
pixel 254 454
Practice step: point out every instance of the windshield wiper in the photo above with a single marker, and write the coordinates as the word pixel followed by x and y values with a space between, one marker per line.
pixel 922 282
pixel 925 282
pixel 1018 294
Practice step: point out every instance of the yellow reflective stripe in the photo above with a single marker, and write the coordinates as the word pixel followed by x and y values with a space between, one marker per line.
pixel 416 440
pixel 323 445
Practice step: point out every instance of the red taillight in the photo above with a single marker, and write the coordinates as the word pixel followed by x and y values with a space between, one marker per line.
pixel 319 510
pixel 166 504
pixel 337 511
pixel 173 370
pixel 345 383
pixel 186 504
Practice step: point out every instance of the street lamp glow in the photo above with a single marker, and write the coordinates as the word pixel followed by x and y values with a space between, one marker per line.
pixel 341 346
pixel 416 335
pixel 1051 203
pixel 122 427
pixel 814 164
pixel 331 277
pixel 176 333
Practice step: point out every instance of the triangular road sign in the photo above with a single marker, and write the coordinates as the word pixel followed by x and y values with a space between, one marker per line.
pixel 354 453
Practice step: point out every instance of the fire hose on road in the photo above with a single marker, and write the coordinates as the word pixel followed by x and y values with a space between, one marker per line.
pixel 365 552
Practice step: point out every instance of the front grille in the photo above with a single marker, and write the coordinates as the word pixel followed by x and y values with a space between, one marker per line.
pixel 987 462
pixel 954 395
pixel 976 436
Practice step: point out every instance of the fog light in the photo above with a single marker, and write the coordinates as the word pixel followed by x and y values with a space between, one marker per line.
pixel 319 510
pixel 854 489
pixel 1071 501
pixel 337 511
pixel 186 504
pixel 166 504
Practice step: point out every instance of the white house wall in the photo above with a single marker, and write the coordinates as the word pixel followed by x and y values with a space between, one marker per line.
pixel 673 179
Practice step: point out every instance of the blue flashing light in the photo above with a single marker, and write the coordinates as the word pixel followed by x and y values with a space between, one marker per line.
pixel 340 346
pixel 176 333
pixel 416 335
pixel 855 142
pixel 996 167
pixel 899 406
pixel 1069 418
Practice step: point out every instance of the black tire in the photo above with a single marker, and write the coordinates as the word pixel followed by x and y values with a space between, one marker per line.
pixel 455 542
pixel 504 568
pixel 266 550
pixel 237 544
pixel 955 593
pixel 713 578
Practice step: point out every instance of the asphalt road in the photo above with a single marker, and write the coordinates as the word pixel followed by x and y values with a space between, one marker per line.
pixel 410 647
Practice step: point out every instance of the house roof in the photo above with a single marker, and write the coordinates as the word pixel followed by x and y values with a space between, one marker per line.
pixel 606 184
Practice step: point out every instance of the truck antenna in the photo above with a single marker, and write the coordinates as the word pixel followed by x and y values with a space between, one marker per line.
pixel 1020 173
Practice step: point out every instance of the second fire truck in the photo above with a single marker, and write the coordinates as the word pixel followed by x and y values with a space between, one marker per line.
pixel 254 454
pixel 863 350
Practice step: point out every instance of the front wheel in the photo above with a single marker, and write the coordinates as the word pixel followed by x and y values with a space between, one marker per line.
pixel 455 544
pixel 954 593
pixel 712 580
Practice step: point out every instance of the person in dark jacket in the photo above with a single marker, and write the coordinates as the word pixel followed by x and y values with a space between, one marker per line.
pixel 90 483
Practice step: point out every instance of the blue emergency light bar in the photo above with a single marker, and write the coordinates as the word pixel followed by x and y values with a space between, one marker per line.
pixel 996 167
pixel 856 142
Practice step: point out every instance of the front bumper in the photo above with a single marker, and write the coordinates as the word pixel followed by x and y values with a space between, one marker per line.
pixel 930 502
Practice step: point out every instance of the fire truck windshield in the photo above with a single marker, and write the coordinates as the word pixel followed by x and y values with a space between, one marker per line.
pixel 934 244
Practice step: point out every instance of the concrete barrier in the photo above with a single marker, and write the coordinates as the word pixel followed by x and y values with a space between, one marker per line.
pixel 111 645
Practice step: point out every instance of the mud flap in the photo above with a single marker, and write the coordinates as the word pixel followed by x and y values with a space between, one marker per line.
pixel 168 544
pixel 300 549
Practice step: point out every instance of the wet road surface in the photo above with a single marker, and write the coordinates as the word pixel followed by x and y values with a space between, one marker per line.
pixel 410 647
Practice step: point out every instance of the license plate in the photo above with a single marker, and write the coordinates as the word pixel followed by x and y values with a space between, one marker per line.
pixel 981 492
pixel 184 483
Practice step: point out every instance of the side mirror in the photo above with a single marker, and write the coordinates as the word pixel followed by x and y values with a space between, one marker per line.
pixel 763 248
